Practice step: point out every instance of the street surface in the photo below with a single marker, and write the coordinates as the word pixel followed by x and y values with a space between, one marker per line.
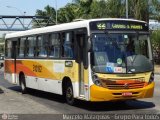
pixel 38 102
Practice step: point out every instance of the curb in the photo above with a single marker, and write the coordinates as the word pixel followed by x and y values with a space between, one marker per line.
pixel 156 73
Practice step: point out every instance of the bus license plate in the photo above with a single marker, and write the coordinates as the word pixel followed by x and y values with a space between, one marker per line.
pixel 127 94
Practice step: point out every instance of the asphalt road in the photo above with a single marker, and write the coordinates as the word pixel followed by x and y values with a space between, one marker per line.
pixel 55 102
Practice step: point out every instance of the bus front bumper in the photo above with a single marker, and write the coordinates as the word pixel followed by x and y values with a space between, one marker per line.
pixel 98 93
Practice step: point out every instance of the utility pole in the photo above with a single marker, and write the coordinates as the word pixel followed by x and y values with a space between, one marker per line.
pixel 56 10
pixel 127 9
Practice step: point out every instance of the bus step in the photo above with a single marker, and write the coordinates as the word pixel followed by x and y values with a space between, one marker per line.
pixel 81 97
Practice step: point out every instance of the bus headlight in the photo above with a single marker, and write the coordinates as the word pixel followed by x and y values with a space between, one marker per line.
pixel 151 78
pixel 96 80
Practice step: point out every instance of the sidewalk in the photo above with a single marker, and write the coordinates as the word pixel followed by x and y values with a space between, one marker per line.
pixel 157 69
pixel 15 103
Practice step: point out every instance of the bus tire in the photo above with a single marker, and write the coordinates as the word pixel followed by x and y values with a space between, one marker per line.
pixel 69 94
pixel 23 84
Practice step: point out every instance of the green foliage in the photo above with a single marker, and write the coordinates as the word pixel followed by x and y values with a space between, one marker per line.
pixel 87 9
pixel 115 8
pixel 98 10
pixel 47 12
pixel 155 39
pixel 155 9
pixel 139 9
pixel 84 8
pixel 67 13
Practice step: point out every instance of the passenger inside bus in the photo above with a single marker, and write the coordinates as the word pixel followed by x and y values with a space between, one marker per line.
pixel 68 45
pixel 43 52
pixel 54 51
pixel 130 49
pixel 68 51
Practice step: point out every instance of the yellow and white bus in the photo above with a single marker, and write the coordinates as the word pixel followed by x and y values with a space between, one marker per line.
pixel 93 60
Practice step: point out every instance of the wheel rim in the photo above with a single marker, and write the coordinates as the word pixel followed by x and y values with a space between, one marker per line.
pixel 22 86
pixel 69 94
pixel 22 83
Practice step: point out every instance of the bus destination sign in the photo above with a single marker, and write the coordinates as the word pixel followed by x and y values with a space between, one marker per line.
pixel 118 25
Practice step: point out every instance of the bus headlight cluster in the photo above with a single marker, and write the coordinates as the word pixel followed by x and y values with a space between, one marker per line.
pixel 151 78
pixel 96 80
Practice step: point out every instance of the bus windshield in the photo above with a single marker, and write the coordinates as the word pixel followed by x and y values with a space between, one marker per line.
pixel 121 53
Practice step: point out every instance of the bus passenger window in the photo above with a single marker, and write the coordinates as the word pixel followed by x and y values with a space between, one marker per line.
pixel 21 47
pixel 68 45
pixel 8 49
pixel 54 48
pixel 31 52
pixel 42 47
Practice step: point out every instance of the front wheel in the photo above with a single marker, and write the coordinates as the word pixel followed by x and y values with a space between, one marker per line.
pixel 69 94
pixel 23 84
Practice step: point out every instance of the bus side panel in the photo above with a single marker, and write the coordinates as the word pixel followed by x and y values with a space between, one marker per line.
pixel 40 75
pixel 71 71
pixel 9 71
pixel 47 75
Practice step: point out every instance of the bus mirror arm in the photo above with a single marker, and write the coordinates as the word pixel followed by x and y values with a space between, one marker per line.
pixel 89 47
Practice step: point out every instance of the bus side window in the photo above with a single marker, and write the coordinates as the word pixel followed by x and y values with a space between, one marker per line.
pixel 67 45
pixel 26 50
pixel 8 48
pixel 54 46
pixel 31 45
pixel 42 47
pixel 21 47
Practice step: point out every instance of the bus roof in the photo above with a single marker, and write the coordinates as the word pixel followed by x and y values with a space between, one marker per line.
pixel 61 27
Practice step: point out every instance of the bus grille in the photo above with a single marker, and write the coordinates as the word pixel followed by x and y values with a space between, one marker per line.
pixel 114 85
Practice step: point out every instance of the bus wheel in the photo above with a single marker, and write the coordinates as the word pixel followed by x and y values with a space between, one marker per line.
pixel 69 94
pixel 23 84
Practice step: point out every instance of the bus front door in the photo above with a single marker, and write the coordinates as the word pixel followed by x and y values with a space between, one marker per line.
pixel 14 49
pixel 80 41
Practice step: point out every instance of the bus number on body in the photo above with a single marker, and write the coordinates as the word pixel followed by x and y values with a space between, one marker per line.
pixel 37 68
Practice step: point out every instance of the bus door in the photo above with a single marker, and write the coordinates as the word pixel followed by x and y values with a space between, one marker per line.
pixel 13 55
pixel 80 41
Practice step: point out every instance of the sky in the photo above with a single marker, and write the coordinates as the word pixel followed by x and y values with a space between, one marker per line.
pixel 27 7
pixel 18 7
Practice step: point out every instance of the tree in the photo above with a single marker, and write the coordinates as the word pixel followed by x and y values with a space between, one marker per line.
pixel 67 13
pixel 139 9
pixel 155 38
pixel 87 9
pixel 47 12
pixel 98 9
pixel 84 8
pixel 155 9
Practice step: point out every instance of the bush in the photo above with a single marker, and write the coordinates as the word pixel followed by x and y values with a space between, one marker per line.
pixel 155 39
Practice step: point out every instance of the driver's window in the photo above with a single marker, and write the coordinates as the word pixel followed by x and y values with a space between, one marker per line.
pixel 130 48
pixel 143 46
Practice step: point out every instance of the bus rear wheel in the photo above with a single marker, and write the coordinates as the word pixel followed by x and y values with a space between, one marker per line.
pixel 23 84
pixel 69 94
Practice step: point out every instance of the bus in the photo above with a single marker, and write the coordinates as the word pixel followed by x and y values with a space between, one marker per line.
pixel 1 54
pixel 106 59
